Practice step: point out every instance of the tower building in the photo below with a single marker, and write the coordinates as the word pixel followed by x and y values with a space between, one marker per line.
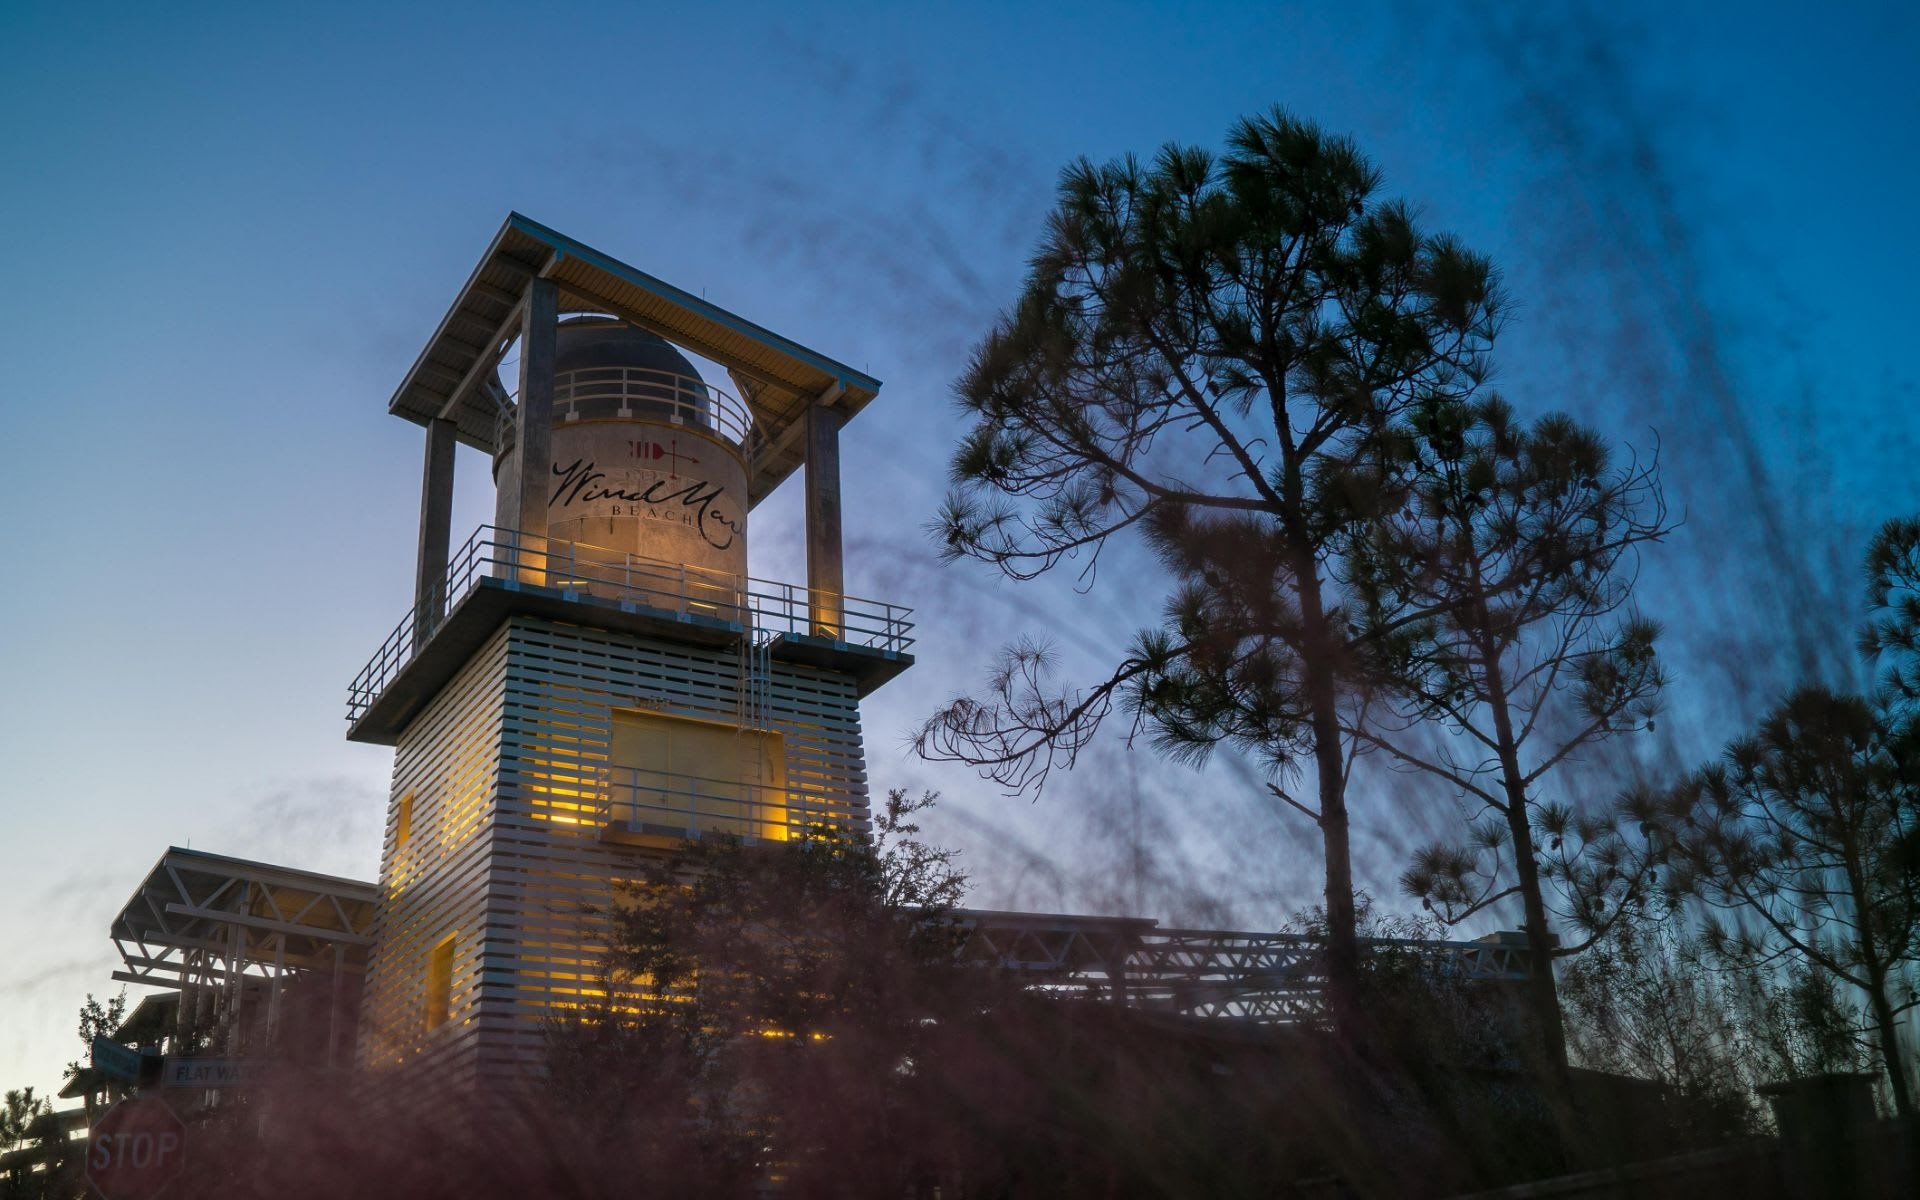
pixel 594 676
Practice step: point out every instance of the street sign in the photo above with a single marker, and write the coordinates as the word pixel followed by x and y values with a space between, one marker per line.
pixel 212 1072
pixel 135 1149
pixel 115 1061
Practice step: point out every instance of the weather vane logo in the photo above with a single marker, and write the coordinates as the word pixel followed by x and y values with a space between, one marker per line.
pixel 648 450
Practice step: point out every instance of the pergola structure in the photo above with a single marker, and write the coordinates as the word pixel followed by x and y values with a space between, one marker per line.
pixel 225 933
pixel 528 278
pixel 795 402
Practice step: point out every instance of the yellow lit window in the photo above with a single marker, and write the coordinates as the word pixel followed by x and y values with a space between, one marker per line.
pixel 674 775
pixel 403 822
pixel 440 983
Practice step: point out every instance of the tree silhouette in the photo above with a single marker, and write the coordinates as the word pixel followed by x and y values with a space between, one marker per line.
pixel 1891 637
pixel 1215 353
pixel 771 1009
pixel 1519 543
pixel 1652 999
pixel 18 1118
pixel 1800 831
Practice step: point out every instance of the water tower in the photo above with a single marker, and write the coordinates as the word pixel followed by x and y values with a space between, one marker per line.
pixel 594 676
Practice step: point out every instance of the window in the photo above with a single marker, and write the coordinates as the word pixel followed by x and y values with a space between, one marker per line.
pixel 440 983
pixel 675 776
pixel 403 823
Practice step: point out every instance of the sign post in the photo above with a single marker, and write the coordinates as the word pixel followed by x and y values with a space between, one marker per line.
pixel 135 1149
pixel 115 1061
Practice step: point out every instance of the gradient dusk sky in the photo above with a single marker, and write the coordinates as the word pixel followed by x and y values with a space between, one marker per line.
pixel 233 226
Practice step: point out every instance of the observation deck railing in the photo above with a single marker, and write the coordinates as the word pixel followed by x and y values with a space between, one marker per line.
pixel 647 394
pixel 761 608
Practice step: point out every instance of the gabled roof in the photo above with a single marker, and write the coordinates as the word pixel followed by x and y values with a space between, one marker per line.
pixel 777 378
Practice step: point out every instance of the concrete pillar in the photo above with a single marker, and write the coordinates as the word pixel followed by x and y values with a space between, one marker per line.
pixel 436 519
pixel 533 425
pixel 826 564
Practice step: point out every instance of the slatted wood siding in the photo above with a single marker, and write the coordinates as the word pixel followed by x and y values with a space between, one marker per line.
pixel 446 771
pixel 509 786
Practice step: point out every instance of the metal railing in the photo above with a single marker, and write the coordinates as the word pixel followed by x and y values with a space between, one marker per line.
pixel 670 804
pixel 1261 977
pixel 646 394
pixel 759 607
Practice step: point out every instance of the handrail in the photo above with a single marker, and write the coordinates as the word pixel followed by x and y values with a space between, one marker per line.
pixel 759 607
pixel 647 393
pixel 678 804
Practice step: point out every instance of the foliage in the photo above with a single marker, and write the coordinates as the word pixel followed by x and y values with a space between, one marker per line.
pixel 1518 542
pixel 1643 1003
pixel 56 1170
pixel 1594 870
pixel 21 1115
pixel 758 996
pixel 48 1167
pixel 1444 1058
pixel 98 1020
pixel 1427 1019
pixel 1891 637
pixel 1515 548
pixel 934 1071
pixel 1659 1000
pixel 1801 836
pixel 1595 866
pixel 1215 353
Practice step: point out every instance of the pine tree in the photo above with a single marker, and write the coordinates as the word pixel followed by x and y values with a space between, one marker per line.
pixel 1520 540
pixel 1214 353
pixel 1799 834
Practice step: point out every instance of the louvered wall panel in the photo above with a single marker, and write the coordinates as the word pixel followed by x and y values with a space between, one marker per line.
pixel 563 684
pixel 435 885
pixel 508 769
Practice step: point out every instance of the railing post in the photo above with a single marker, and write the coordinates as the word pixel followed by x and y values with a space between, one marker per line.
pixel 474 548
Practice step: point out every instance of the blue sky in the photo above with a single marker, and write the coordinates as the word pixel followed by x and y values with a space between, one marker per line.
pixel 233 226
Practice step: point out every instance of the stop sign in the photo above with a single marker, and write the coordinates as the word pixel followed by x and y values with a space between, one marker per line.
pixel 135 1149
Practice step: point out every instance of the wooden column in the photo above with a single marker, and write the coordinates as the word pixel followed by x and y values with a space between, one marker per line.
pixel 826 564
pixel 533 425
pixel 436 520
